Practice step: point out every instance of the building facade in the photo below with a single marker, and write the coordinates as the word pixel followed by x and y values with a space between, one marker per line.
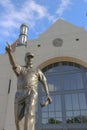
pixel 61 53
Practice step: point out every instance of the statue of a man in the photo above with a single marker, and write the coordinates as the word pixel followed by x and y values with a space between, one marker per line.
pixel 27 91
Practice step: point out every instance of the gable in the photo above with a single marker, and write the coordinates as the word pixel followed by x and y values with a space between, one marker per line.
pixel 61 27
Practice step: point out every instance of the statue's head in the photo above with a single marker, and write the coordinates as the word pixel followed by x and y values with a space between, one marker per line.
pixel 29 58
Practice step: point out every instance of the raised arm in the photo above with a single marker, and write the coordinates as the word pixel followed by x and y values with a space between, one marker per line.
pixel 15 67
pixel 11 58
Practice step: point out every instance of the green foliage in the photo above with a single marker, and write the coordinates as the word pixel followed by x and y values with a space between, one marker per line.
pixel 78 119
pixel 53 121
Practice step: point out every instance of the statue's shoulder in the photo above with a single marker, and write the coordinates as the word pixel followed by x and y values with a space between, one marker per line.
pixel 36 71
pixel 40 73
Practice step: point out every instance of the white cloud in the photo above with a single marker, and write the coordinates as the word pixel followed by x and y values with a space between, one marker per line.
pixel 12 17
pixel 29 12
pixel 7 4
pixel 64 5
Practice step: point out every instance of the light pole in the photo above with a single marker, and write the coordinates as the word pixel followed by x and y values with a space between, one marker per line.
pixel 23 37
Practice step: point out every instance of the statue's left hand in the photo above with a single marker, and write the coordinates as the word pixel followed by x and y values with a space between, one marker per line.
pixel 47 102
pixel 8 48
pixel 49 99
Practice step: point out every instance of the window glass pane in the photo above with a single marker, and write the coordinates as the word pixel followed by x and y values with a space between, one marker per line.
pixel 79 81
pixel 67 81
pixel 54 82
pixel 75 101
pixel 76 113
pixel 56 69
pixel 83 100
pixel 58 114
pixel 84 116
pixel 44 120
pixel 45 115
pixel 86 74
pixel 68 102
pixel 68 68
pixel 73 81
pixel 57 103
pixel 69 114
pixel 70 82
pixel 84 112
pixel 61 67
pixel 51 114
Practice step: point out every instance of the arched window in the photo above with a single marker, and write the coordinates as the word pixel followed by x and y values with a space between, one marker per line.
pixel 67 83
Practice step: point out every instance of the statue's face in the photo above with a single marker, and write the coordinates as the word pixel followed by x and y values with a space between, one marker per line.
pixel 29 60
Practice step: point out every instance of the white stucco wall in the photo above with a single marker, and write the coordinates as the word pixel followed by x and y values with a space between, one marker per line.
pixel 71 50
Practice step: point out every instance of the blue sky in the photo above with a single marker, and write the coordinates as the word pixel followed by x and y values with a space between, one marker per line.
pixel 39 15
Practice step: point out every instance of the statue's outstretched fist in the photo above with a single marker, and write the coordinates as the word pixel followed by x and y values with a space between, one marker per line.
pixel 8 48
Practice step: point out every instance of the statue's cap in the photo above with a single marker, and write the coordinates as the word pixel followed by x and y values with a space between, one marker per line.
pixel 29 54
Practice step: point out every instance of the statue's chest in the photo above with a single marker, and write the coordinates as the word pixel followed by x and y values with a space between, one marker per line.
pixel 29 73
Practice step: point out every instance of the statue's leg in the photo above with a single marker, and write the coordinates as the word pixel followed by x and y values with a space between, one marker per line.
pixel 19 114
pixel 19 109
pixel 16 116
pixel 30 110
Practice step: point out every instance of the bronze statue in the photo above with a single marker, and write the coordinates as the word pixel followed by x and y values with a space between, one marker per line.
pixel 27 94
